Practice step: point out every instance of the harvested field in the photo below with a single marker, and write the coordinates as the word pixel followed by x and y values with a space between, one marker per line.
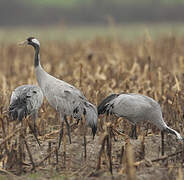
pixel 97 67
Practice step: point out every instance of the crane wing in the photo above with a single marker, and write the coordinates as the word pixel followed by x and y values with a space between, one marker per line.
pixel 62 96
pixel 25 100
pixel 13 97
pixel 102 107
pixel 67 102
pixel 77 106
pixel 34 97
pixel 131 106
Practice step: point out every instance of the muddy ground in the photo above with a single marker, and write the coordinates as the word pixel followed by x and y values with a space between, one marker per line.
pixel 147 154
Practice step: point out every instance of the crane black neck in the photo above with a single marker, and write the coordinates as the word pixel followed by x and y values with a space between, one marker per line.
pixel 37 56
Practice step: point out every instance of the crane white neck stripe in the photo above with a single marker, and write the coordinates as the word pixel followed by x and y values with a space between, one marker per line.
pixel 36 41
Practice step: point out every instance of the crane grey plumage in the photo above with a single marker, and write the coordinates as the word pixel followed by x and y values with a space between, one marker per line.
pixel 25 100
pixel 135 108
pixel 90 112
pixel 65 98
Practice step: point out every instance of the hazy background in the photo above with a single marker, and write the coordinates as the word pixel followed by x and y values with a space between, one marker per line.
pixel 88 18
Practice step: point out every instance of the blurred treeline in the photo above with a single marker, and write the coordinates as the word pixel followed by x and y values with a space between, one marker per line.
pixel 77 12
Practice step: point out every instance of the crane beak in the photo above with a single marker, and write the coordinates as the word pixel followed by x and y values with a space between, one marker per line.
pixel 22 43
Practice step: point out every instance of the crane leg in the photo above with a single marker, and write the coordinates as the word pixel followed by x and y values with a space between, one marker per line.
pixel 133 132
pixel 84 137
pixel 162 141
pixel 34 125
pixel 78 121
pixel 68 128
pixel 61 134
pixel 34 117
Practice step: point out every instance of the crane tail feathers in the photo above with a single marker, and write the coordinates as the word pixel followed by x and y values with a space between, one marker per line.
pixel 17 112
pixel 91 117
pixel 22 114
pixel 13 115
pixel 94 129
pixel 103 105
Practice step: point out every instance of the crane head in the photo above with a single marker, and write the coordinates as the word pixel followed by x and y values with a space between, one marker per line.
pixel 31 41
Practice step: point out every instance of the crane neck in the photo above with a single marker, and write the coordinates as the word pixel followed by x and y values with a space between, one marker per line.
pixel 37 57
pixel 40 73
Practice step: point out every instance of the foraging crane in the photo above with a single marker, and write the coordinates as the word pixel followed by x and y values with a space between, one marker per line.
pixel 65 98
pixel 136 108
pixel 25 100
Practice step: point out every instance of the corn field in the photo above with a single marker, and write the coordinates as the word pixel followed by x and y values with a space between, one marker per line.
pixel 97 67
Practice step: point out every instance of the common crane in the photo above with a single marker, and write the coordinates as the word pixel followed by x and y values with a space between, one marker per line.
pixel 65 98
pixel 25 100
pixel 136 108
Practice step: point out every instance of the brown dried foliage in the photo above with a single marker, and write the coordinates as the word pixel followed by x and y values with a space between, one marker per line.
pixel 98 67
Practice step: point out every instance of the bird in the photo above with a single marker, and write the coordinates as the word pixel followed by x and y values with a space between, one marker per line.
pixel 25 100
pixel 62 96
pixel 136 108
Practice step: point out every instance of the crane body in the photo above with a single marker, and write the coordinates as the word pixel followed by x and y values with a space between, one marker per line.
pixel 25 100
pixel 65 98
pixel 136 108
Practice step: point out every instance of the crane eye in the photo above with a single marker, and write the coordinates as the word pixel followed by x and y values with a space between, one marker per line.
pixel 34 92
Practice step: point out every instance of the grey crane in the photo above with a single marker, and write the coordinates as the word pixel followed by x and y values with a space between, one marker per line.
pixel 136 108
pixel 65 98
pixel 25 100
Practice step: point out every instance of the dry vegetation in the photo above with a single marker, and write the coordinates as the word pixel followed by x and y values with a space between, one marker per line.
pixel 98 67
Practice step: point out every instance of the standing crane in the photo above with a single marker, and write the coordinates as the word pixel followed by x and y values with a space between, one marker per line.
pixel 26 100
pixel 136 108
pixel 65 98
